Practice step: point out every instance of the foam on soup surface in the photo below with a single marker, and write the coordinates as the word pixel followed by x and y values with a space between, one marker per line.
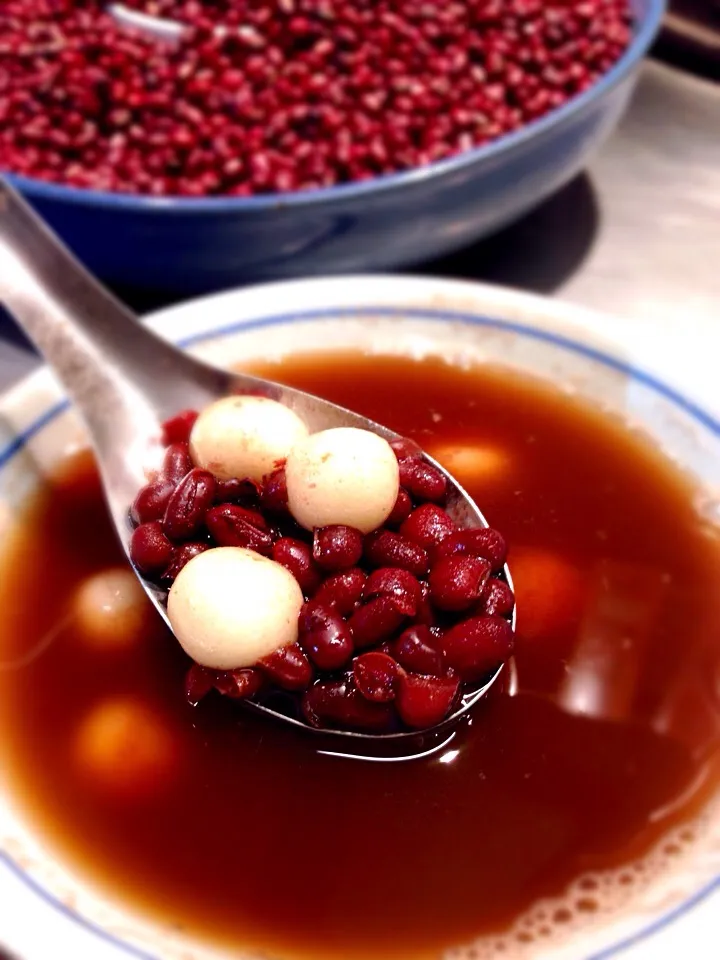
pixel 235 828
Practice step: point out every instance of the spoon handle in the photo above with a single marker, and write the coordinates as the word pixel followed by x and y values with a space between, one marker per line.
pixel 109 364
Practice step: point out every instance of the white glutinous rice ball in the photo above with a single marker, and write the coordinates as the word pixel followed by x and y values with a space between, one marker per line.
pixel 239 437
pixel 344 475
pixel 229 607
pixel 125 745
pixel 474 462
pixel 111 609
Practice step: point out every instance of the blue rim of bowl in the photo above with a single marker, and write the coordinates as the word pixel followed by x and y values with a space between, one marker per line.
pixel 638 47
pixel 339 313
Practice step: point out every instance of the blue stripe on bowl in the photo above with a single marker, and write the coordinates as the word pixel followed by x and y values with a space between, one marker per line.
pixel 335 313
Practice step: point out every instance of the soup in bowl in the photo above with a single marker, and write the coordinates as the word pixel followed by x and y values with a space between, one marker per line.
pixel 570 814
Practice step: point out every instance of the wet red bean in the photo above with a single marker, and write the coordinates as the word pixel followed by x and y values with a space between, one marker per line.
pixel 233 491
pixel 477 646
pixel 422 480
pixel 337 547
pixel 401 510
pixel 150 549
pixel 273 495
pixel 375 675
pixel 375 621
pixel 176 462
pixel 296 556
pixel 339 704
pixel 288 668
pixel 397 583
pixel 497 599
pixel 186 508
pixel 404 447
pixel 343 590
pixel 385 548
pixel 324 636
pixel 199 681
pixel 232 526
pixel 418 650
pixel 235 684
pixel 426 613
pixel 480 542
pixel 424 701
pixel 151 501
pixel 239 684
pixel 457 582
pixel 177 429
pixel 180 556
pixel 428 525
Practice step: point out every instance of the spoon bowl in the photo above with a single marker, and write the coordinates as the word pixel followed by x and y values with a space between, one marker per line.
pixel 125 381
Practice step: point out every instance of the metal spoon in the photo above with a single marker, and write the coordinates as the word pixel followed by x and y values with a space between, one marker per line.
pixel 161 28
pixel 156 28
pixel 125 381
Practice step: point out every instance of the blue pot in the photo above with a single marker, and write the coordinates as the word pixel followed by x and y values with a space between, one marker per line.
pixel 193 245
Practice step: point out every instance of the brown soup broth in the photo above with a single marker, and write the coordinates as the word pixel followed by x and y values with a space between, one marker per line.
pixel 254 838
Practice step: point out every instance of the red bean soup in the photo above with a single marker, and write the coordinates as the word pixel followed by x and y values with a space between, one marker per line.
pixel 599 746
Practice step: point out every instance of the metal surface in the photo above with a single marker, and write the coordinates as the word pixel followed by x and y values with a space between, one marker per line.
pixel 639 235
pixel 124 381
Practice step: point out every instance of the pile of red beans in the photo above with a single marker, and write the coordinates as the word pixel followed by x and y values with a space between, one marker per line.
pixel 292 95
pixel 394 622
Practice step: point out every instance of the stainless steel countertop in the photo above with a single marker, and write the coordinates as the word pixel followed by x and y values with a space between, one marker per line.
pixel 638 235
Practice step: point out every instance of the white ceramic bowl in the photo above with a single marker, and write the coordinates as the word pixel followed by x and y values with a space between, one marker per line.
pixel 48 910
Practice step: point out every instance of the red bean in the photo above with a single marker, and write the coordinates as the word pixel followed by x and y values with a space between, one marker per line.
pixel 375 621
pixel 273 495
pixel 150 549
pixel 422 480
pixel 324 636
pixel 176 463
pixel 457 582
pixel 479 542
pixel 337 547
pixel 186 509
pixel 177 429
pixel 199 681
pixel 385 548
pixel 477 646
pixel 375 676
pixel 232 526
pixel 394 582
pixel 497 598
pixel 426 613
pixel 180 556
pixel 151 501
pixel 428 525
pixel 296 556
pixel 404 447
pixel 233 491
pixel 343 590
pixel 239 684
pixel 417 649
pixel 305 95
pixel 289 668
pixel 423 702
pixel 339 704
pixel 401 510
